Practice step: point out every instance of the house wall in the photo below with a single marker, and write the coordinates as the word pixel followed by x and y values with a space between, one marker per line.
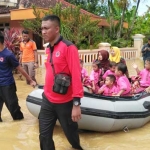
pixel 17 24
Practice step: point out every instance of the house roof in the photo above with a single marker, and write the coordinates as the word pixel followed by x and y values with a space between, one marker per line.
pixel 5 10
pixel 52 3
pixel 48 3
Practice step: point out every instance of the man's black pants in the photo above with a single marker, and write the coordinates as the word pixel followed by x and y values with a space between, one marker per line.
pixel 9 97
pixel 49 113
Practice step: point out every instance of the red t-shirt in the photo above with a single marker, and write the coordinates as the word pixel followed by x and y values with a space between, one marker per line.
pixel 65 59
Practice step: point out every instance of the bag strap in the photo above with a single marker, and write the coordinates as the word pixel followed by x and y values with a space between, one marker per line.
pixel 51 59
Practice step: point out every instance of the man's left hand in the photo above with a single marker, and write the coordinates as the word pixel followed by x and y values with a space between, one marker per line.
pixel 76 113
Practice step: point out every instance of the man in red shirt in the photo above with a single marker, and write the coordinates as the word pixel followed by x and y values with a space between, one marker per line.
pixel 66 108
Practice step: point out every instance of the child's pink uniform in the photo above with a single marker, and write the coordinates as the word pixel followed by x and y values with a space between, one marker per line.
pixel 95 76
pixel 84 73
pixel 123 84
pixel 85 77
pixel 109 91
pixel 108 72
pixel 145 78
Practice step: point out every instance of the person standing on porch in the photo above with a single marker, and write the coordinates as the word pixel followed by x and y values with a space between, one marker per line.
pixel 62 57
pixel 146 50
pixel 28 56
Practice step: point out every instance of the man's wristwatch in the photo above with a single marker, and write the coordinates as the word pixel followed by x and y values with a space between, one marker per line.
pixel 76 103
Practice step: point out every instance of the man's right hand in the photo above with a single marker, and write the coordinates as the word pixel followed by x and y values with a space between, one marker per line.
pixel 76 113
pixel 145 49
pixel 33 83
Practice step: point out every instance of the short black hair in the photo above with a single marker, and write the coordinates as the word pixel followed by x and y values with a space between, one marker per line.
pixel 52 18
pixel 147 59
pixel 25 32
pixel 112 63
pixel 1 38
pixel 112 78
pixel 149 38
pixel 81 61
pixel 97 62
pixel 122 67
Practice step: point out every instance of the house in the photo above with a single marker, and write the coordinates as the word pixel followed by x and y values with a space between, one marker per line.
pixel 5 7
pixel 14 16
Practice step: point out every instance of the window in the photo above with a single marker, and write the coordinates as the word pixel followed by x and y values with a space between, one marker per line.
pixel 3 26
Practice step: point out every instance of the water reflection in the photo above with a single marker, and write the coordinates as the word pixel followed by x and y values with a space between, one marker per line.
pixel 23 135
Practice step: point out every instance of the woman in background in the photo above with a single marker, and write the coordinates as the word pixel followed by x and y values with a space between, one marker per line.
pixel 115 56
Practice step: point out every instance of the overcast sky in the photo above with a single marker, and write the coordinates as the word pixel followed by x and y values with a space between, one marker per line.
pixel 142 7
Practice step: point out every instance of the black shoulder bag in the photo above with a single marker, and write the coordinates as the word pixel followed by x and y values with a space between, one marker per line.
pixel 61 81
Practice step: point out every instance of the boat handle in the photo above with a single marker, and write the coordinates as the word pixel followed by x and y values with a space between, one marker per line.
pixel 126 129
pixel 146 105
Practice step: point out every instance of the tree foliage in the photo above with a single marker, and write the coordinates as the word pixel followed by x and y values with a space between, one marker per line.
pixel 84 32
pixel 11 35
pixel 142 25
pixel 93 6
pixel 75 26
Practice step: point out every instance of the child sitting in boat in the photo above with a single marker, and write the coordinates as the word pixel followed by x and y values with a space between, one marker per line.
pixel 95 76
pixel 109 88
pixel 144 75
pixel 112 67
pixel 123 84
pixel 84 77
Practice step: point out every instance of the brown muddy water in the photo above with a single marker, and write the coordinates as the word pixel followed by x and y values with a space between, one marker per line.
pixel 23 135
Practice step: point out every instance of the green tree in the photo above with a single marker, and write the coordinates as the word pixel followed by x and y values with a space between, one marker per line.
pixel 119 10
pixel 142 25
pixel 75 26
pixel 93 6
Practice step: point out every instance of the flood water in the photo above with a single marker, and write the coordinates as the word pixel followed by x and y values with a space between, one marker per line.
pixel 23 135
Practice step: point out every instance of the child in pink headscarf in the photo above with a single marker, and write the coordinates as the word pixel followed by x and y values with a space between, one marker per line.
pixel 95 76
pixel 112 67
pixel 144 75
pixel 84 77
pixel 123 84
pixel 109 88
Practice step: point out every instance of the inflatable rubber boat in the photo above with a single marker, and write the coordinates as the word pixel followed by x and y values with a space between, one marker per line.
pixel 104 114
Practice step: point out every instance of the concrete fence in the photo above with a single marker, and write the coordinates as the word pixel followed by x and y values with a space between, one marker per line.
pixel 89 55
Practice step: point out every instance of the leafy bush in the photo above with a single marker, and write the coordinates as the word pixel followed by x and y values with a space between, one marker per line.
pixel 75 26
pixel 11 36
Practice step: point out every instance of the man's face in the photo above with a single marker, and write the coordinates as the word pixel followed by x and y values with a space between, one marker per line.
pixel 25 37
pixel 50 30
pixel 149 42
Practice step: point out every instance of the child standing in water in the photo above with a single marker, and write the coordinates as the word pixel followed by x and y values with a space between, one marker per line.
pixel 109 88
pixel 123 84
pixel 84 77
pixel 95 76
pixel 112 67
